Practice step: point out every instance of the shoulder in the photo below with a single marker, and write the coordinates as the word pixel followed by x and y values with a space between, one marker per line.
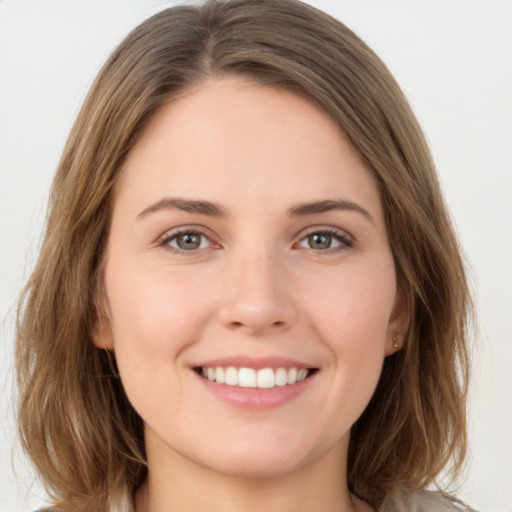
pixel 423 501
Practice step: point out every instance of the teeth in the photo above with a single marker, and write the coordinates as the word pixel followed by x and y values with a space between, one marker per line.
pixel 247 378
pixel 301 375
pixel 266 378
pixel 292 375
pixel 231 376
pixel 220 375
pixel 281 377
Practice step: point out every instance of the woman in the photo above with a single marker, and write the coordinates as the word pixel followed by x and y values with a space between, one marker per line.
pixel 250 295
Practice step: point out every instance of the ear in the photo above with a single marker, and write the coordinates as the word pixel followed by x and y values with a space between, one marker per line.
pixel 101 333
pixel 398 322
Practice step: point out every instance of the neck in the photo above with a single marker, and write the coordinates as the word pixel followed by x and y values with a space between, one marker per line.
pixel 181 485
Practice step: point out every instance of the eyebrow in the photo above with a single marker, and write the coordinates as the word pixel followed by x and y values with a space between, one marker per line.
pixel 329 205
pixel 186 205
pixel 210 209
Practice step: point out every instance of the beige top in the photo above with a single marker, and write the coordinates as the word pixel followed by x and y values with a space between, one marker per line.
pixel 398 501
pixel 425 501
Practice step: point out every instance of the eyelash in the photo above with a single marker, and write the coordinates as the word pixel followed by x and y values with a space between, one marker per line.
pixel 345 240
pixel 174 235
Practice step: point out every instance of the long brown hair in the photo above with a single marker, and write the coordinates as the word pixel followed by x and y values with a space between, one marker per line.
pixel 75 421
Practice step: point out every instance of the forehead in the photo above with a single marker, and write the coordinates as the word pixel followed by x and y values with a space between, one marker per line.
pixel 231 139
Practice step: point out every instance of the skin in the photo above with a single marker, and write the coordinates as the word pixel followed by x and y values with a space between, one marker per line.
pixel 255 287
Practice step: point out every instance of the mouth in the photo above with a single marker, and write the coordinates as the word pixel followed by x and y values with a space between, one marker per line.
pixel 262 378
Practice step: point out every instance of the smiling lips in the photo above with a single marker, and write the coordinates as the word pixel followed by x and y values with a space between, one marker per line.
pixel 256 384
pixel 263 378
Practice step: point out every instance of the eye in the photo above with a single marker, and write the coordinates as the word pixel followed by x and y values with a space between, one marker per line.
pixel 186 241
pixel 326 240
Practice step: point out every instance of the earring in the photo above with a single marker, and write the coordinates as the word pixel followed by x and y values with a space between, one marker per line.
pixel 395 342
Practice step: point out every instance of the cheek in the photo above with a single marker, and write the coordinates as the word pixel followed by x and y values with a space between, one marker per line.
pixel 353 306
pixel 155 314
pixel 151 306
pixel 351 311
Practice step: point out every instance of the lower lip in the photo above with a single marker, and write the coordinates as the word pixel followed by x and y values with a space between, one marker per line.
pixel 255 398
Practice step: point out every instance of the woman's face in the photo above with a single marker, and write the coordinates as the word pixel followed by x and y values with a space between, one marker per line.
pixel 250 287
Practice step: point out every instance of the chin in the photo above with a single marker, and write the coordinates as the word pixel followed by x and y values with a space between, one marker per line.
pixel 257 468
pixel 260 458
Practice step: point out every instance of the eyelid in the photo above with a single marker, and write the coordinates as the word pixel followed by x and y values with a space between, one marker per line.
pixel 340 234
pixel 323 228
pixel 164 239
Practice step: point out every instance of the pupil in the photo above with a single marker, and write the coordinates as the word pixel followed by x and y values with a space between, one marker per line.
pixel 320 241
pixel 189 241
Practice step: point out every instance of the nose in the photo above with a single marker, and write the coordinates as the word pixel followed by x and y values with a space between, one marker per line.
pixel 257 297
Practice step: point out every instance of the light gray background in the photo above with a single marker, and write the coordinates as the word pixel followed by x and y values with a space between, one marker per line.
pixel 453 58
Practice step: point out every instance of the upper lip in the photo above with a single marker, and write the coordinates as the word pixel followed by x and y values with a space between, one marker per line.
pixel 256 363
